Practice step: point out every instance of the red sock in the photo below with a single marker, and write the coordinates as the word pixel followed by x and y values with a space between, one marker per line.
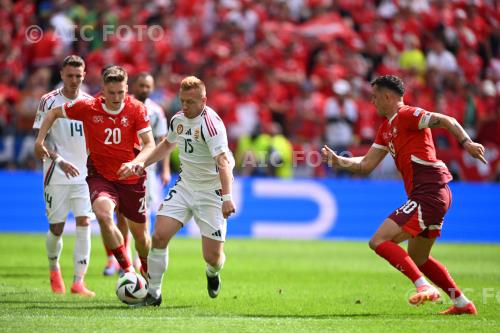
pixel 398 258
pixel 109 252
pixel 144 263
pixel 437 273
pixel 121 256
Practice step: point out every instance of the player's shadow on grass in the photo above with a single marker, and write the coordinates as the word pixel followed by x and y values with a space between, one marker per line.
pixel 318 316
pixel 99 307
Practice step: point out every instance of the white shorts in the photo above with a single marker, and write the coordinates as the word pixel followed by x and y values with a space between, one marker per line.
pixel 182 203
pixel 59 199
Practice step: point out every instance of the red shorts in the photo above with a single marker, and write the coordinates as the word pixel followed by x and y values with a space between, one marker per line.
pixel 130 199
pixel 424 211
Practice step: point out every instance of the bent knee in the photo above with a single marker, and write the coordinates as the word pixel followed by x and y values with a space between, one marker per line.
pixel 57 229
pixel 373 243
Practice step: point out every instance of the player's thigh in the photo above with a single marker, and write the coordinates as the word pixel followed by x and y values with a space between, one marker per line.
pixel 208 215
pixel 419 249
pixel 57 203
pixel 388 230
pixel 132 200
pixel 80 200
pixel 178 204
pixel 139 230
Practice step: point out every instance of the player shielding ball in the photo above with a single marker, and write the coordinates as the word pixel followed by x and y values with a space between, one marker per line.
pixel 65 188
pixel 407 136
pixel 112 125
pixel 203 189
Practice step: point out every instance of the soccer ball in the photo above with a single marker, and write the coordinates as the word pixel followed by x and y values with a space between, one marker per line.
pixel 131 288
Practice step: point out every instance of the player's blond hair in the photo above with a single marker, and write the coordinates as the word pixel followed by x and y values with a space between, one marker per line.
pixel 192 82
pixel 114 74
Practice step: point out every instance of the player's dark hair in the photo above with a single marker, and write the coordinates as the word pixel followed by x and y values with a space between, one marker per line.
pixel 142 75
pixel 114 74
pixel 390 82
pixel 74 61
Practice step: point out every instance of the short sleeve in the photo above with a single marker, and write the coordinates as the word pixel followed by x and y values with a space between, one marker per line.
pixel 171 130
pixel 215 135
pixel 76 109
pixel 379 140
pixel 40 115
pixel 415 119
pixel 142 120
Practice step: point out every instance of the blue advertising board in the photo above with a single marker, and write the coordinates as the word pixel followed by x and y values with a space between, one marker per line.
pixel 299 208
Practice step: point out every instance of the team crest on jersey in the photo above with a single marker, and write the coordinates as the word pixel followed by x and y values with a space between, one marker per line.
pixel 180 128
pixel 196 134
pixel 394 132
pixel 124 121
pixel 98 119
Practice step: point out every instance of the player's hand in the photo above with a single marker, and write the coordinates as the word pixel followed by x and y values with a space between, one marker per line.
pixel 129 169
pixel 329 156
pixel 40 151
pixel 228 208
pixel 165 177
pixel 475 150
pixel 69 169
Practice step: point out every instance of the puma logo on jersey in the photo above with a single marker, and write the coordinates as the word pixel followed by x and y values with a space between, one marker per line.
pixel 112 119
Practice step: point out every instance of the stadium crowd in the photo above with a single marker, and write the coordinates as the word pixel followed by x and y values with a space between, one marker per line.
pixel 285 76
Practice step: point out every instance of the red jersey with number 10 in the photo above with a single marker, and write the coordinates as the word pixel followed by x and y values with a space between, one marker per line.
pixel 409 140
pixel 111 136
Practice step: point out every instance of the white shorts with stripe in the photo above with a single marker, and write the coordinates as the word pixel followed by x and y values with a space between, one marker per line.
pixel 60 199
pixel 182 203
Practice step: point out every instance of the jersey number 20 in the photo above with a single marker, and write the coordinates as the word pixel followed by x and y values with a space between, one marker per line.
pixel 113 135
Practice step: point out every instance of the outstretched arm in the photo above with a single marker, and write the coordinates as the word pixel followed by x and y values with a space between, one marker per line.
pixel 146 158
pixel 438 120
pixel 361 164
pixel 40 150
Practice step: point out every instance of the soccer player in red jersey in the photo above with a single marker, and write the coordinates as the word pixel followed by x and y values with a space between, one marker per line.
pixel 407 136
pixel 112 124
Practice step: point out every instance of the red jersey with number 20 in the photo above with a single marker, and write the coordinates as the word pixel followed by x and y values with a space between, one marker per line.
pixel 111 136
pixel 408 138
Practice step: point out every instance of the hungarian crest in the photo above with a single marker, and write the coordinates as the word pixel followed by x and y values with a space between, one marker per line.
pixel 180 128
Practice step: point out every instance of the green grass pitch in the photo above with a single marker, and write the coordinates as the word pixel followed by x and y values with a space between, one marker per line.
pixel 268 286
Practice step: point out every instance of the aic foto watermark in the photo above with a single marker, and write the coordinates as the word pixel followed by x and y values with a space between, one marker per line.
pixel 313 159
pixel 73 33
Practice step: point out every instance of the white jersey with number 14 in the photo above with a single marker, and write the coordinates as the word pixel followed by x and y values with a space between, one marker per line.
pixel 66 137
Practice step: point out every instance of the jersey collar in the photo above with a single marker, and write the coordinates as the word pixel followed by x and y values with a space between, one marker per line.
pixel 111 111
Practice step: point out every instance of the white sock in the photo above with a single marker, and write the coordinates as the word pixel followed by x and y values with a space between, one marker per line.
pixel 54 245
pixel 421 282
pixel 461 301
pixel 81 253
pixel 214 271
pixel 157 265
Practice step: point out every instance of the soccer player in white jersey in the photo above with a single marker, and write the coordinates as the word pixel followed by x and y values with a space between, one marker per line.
pixel 141 89
pixel 203 189
pixel 65 188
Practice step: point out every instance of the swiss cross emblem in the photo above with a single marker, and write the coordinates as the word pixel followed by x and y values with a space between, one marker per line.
pixel 394 132
pixel 124 121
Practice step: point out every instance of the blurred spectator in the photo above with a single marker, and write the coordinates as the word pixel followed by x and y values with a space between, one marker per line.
pixel 267 62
